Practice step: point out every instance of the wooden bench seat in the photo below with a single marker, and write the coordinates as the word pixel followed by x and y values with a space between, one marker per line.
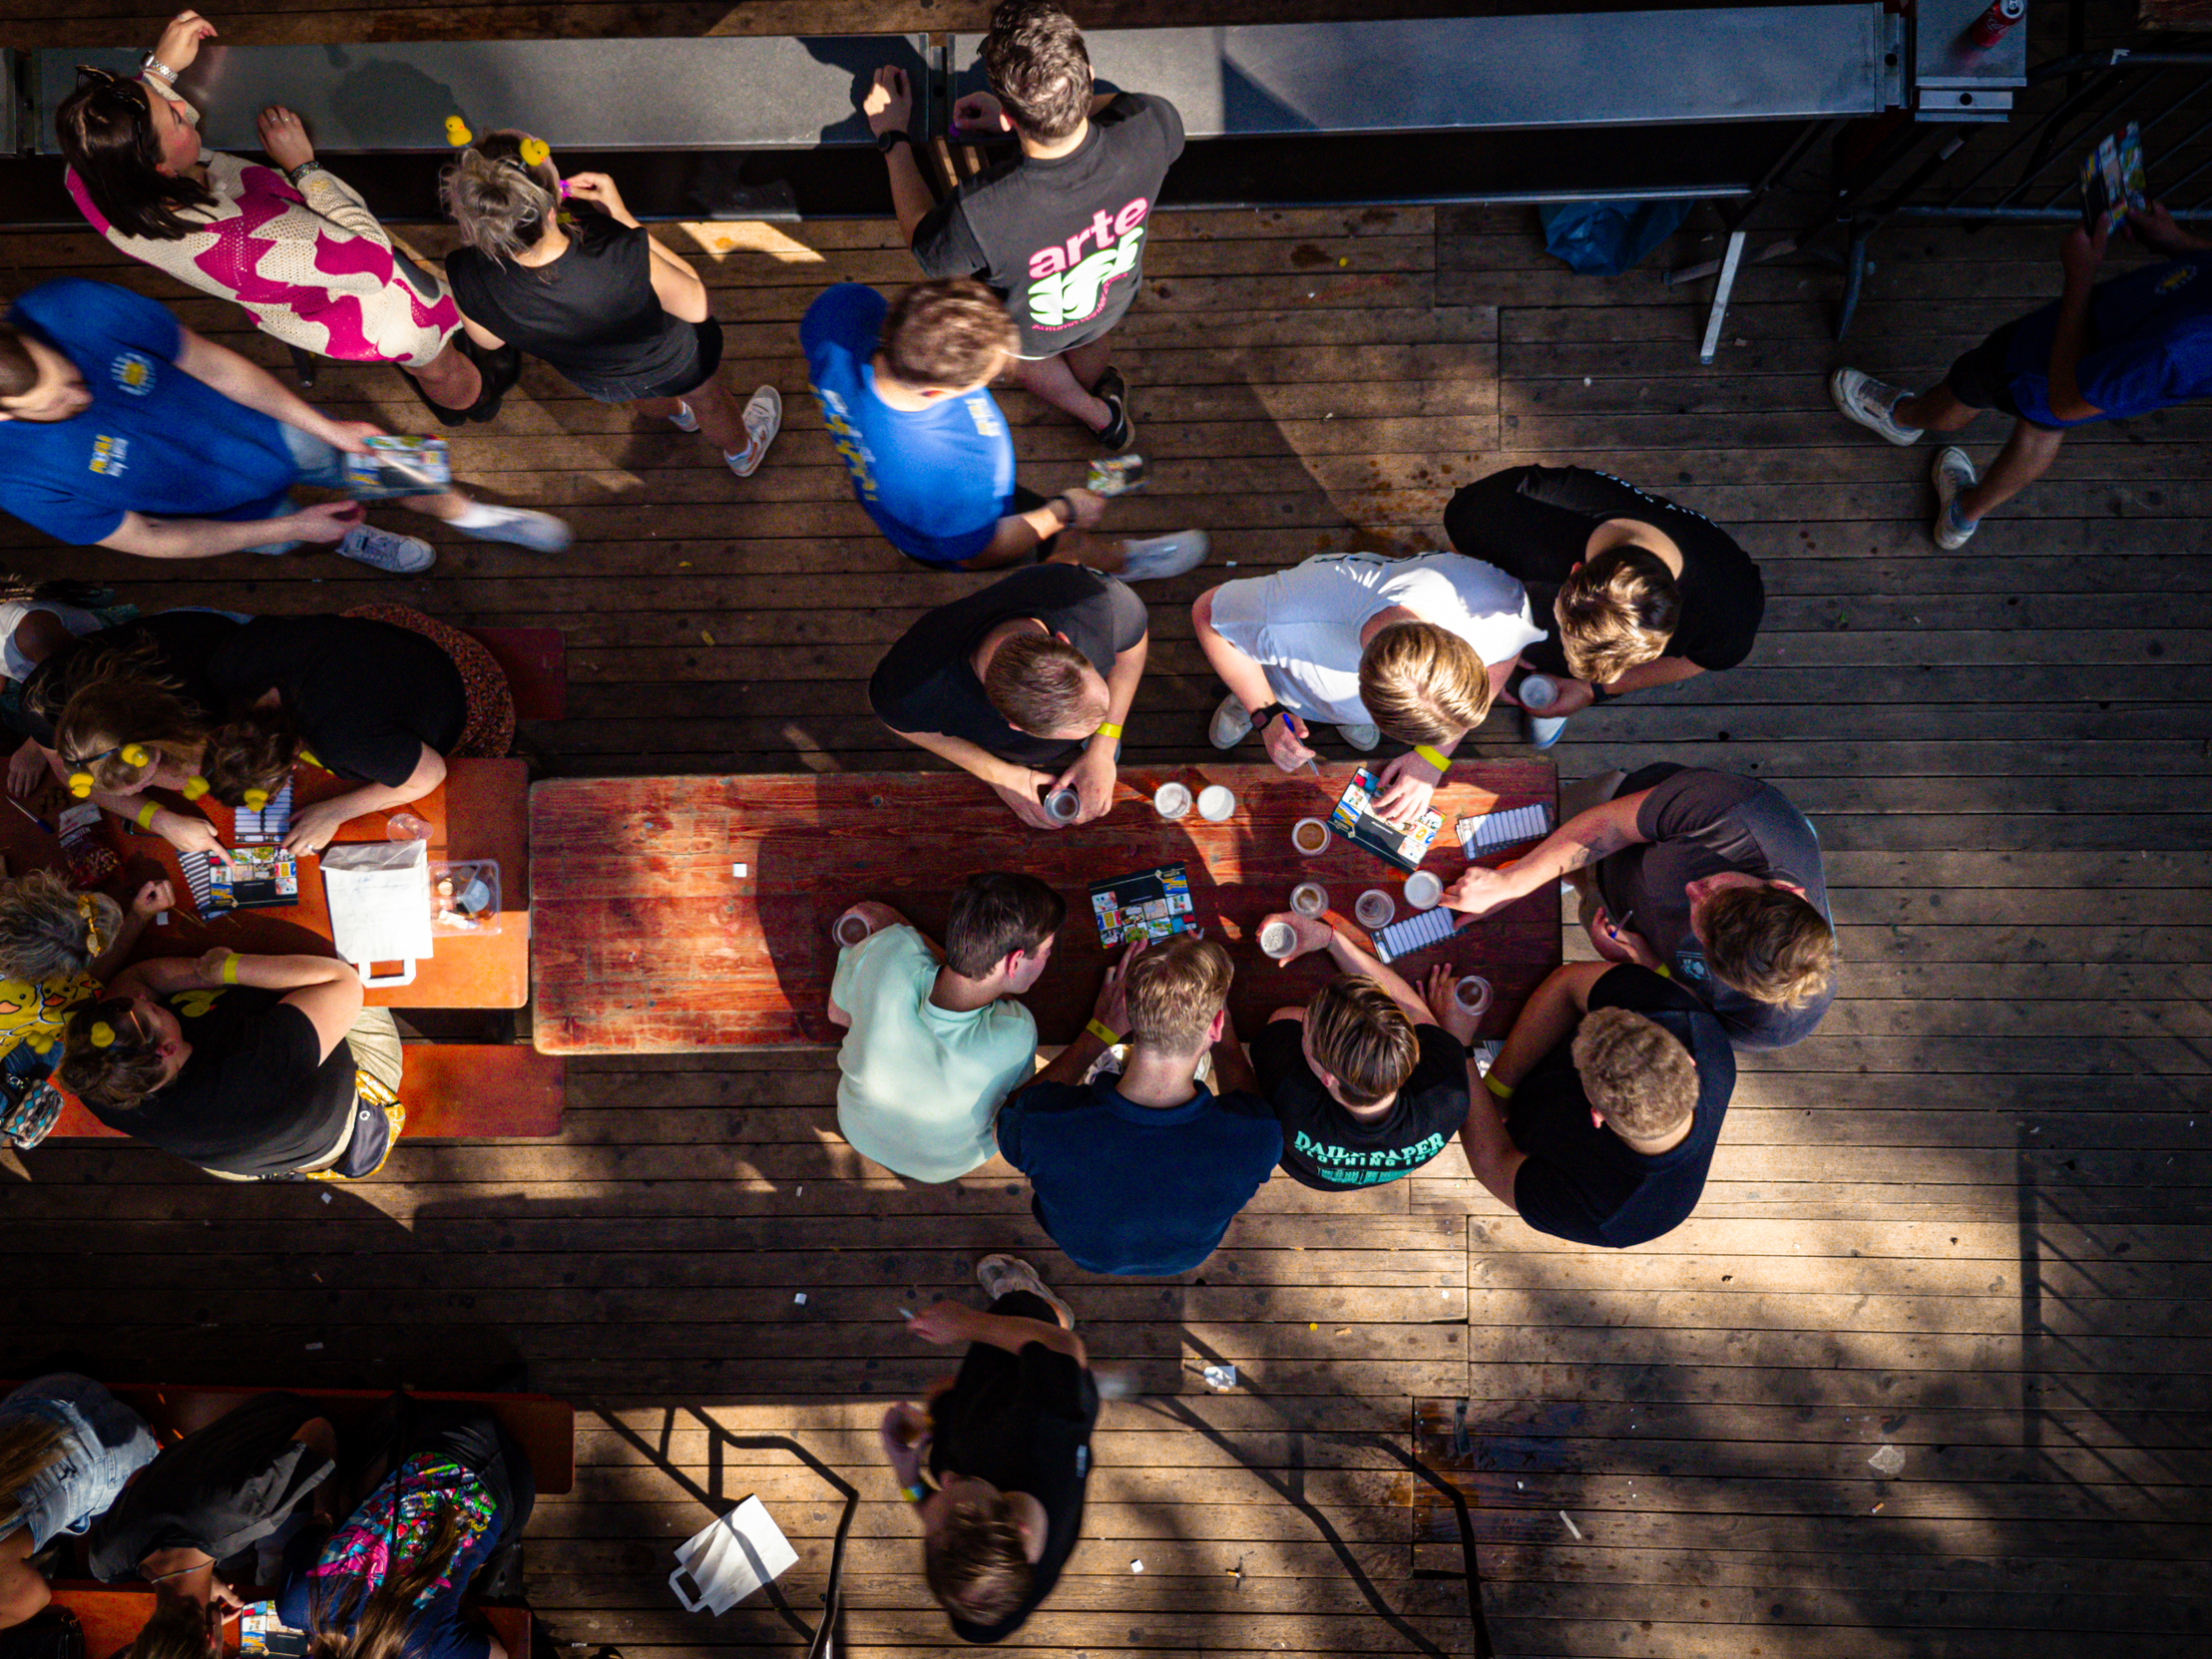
pixel 534 662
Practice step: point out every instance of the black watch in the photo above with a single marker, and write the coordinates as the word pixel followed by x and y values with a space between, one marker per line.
pixel 897 135
pixel 1270 711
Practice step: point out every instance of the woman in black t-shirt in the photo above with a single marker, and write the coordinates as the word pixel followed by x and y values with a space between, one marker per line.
pixel 561 268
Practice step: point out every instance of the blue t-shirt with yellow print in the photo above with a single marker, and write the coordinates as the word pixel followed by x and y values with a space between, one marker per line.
pixel 2149 345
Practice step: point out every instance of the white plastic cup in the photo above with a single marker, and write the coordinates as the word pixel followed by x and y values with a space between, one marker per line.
pixel 1309 898
pixel 1538 692
pixel 1171 800
pixel 1215 803
pixel 850 930
pixel 1472 994
pixel 1277 941
pixel 1063 806
pixel 1309 837
pixel 1423 890
pixel 1375 909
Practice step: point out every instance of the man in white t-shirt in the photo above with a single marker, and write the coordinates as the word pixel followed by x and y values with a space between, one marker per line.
pixel 1407 649
pixel 934 1039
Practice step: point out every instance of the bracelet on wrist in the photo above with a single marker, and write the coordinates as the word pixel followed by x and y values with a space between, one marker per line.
pixel 145 815
pixel 1434 757
pixel 1106 729
pixel 150 65
pixel 230 969
pixel 296 174
pixel 1103 1032
pixel 1503 1092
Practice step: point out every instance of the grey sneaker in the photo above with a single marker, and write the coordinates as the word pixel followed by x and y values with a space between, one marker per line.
pixel 1162 555
pixel 684 420
pixel 1233 723
pixel 1000 1275
pixel 764 420
pixel 1862 398
pixel 1362 738
pixel 387 550
pixel 1953 472
pixel 1542 730
pixel 519 526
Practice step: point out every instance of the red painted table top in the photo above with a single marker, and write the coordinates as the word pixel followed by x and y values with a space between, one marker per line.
pixel 647 942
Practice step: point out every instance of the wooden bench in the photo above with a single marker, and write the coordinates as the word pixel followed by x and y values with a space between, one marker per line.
pixel 452 1092
pixel 536 665
pixel 112 1615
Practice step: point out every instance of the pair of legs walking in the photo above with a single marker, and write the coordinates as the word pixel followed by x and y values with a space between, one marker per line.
pixel 1079 382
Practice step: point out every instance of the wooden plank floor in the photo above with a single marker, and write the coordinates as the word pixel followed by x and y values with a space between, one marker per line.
pixel 1969 1220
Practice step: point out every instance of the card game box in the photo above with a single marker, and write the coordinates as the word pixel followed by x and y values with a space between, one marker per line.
pixel 1404 845
pixel 2112 180
pixel 1150 905
pixel 401 462
pixel 256 878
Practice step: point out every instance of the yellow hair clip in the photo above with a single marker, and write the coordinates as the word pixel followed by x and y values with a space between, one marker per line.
pixel 80 784
pixel 135 754
pixel 255 799
pixel 103 1035
pixel 535 151
pixel 457 132
pixel 195 787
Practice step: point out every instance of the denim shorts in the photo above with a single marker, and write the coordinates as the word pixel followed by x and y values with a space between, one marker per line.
pixel 323 466
pixel 103 1443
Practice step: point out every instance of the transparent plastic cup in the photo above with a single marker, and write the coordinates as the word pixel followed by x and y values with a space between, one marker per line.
pixel 1375 909
pixel 1171 801
pixel 1472 994
pixel 1423 890
pixel 405 826
pixel 1309 898
pixel 850 930
pixel 1538 692
pixel 1215 803
pixel 1277 941
pixel 1309 837
pixel 1063 806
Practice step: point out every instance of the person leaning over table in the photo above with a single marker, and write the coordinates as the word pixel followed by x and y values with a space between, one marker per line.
pixel 67 1449
pixel 1712 880
pixel 1598 1120
pixel 1037 670
pixel 1412 650
pixel 1365 1085
pixel 934 1039
pixel 211 1496
pixel 254 1067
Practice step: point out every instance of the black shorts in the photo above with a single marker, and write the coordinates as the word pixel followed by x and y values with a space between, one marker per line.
pixel 1028 501
pixel 706 358
pixel 1981 379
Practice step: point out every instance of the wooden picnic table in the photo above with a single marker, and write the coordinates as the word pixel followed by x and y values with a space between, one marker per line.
pixel 693 913
pixel 478 812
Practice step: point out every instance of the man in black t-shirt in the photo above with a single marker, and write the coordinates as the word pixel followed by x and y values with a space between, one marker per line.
pixel 1059 229
pixel 1365 1085
pixel 1007 1444
pixel 1014 678
pixel 1710 879
pixel 1598 1120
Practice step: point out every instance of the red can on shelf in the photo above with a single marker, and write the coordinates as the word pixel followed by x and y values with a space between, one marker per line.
pixel 1996 23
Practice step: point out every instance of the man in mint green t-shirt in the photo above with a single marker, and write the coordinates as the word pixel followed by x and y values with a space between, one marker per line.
pixel 933 1041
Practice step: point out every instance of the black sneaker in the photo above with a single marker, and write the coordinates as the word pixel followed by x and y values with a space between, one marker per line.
pixel 1120 432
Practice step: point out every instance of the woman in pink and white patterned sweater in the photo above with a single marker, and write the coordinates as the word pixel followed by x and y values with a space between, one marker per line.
pixel 291 243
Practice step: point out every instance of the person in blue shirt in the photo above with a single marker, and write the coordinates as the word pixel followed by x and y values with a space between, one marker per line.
pixel 121 428
pixel 1141 1174
pixel 904 390
pixel 2101 351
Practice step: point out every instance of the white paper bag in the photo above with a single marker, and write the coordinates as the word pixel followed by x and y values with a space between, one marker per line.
pixel 729 1559
pixel 379 897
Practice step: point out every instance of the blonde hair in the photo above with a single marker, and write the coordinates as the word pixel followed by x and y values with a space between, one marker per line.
pixel 1768 943
pixel 46 932
pixel 1174 991
pixel 501 203
pixel 1616 612
pixel 1422 683
pixel 1044 686
pixel 29 1447
pixel 1362 1038
pixel 1642 1081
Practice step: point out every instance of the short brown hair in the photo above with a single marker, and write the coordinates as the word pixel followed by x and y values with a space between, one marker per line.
pixel 18 368
pixel 1641 1080
pixel 1616 612
pixel 947 333
pixel 115 698
pixel 177 1628
pixel 1038 67
pixel 1174 991
pixel 1043 685
pixel 975 1563
pixel 1360 1034
pixel 256 751
pixel 1768 943
pixel 995 914
pixel 117 1074
pixel 1422 683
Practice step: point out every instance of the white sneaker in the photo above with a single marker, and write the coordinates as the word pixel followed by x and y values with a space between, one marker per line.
pixel 1233 723
pixel 1540 731
pixel 684 420
pixel 1002 1275
pixel 1162 555
pixel 1953 472
pixel 519 526
pixel 1862 398
pixel 387 550
pixel 1362 738
pixel 764 420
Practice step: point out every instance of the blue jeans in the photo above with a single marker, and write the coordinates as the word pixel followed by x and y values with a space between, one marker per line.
pixel 322 466
pixel 103 1443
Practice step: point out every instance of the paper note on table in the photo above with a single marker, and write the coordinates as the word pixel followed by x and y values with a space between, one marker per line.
pixel 380 894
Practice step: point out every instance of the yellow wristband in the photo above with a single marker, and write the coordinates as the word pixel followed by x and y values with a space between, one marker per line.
pixel 1098 1030
pixel 1504 1092
pixel 1106 729
pixel 230 969
pixel 144 817
pixel 1434 757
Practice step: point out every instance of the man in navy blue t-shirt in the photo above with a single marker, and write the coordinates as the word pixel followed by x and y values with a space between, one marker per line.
pixel 121 428
pixel 2101 352
pixel 1143 1172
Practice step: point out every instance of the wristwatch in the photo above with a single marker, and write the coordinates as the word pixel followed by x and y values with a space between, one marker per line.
pixel 897 135
pixel 150 65
pixel 1270 711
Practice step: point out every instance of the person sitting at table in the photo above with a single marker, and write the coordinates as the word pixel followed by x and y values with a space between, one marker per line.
pixel 38 617
pixel 254 1067
pixel 1035 671
pixel 1598 1120
pixel 934 1039
pixel 450 1491
pixel 67 1449
pixel 211 1496
pixel 905 391
pixel 1007 1449
pixel 1365 1085
pixel 1412 650
pixel 561 268
pixel 1143 1172
pixel 1640 591
pixel 1711 879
